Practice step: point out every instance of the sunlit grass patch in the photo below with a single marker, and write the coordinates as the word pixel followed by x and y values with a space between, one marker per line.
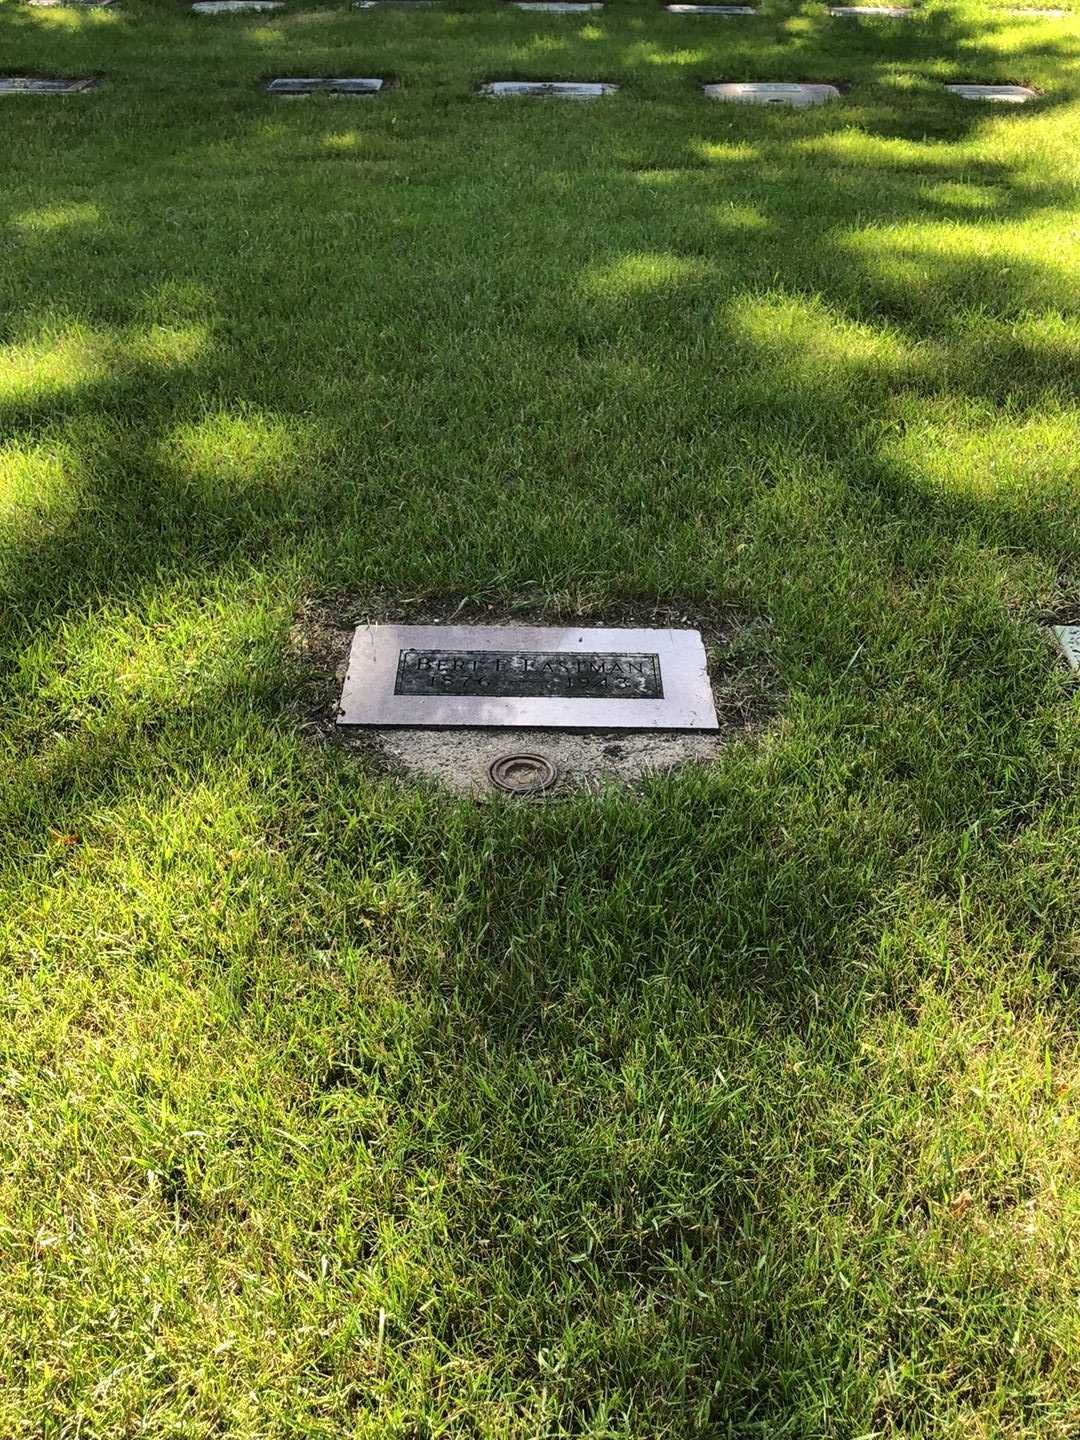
pixel 156 656
pixel 799 343
pixel 347 140
pixel 35 479
pixel 1035 457
pixel 857 147
pixel 56 217
pixel 168 347
pixel 225 451
pixel 68 358
pixel 962 195
pixel 650 53
pixel 721 152
pixel 1003 1087
pixel 1008 267
pixel 53 363
pixel 633 273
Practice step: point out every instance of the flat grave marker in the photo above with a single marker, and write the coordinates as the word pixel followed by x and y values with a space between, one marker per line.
pixel 1000 94
pixel 710 9
pixel 559 7
pixel 870 12
pixel 769 92
pixel 548 89
pixel 1068 637
pixel 394 4
pixel 291 86
pixel 234 7
pixel 532 677
pixel 32 85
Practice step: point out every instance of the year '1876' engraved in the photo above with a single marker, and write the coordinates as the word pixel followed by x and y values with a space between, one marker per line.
pixel 588 675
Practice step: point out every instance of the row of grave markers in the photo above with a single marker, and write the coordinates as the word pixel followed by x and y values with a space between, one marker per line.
pixel 752 92
pixel 556 7
pixel 796 95
pixel 559 7
pixel 764 92
pixel 577 7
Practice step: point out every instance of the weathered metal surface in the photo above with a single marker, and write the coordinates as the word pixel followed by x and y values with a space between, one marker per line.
pixel 311 85
pixel 545 89
pixel 231 7
pixel 32 85
pixel 584 679
pixel 1002 94
pixel 870 12
pixel 769 92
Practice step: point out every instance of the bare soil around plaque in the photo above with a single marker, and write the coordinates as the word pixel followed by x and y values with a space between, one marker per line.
pixel 744 687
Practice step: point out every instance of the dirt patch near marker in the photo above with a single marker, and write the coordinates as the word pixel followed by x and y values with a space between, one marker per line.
pixel 744 685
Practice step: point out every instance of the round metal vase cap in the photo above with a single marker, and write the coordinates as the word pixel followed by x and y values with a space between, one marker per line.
pixel 523 773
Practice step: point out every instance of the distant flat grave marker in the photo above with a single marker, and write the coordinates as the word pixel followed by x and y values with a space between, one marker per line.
pixel 1045 14
pixel 549 89
pixel 559 7
pixel 324 84
pixel 31 85
pixel 73 4
pixel 710 9
pixel 1002 94
pixel 455 676
pixel 889 12
pixel 233 7
pixel 768 92
pixel 394 4
pixel 1068 637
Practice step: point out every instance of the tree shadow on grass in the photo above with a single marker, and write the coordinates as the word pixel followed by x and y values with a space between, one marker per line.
pixel 605 1113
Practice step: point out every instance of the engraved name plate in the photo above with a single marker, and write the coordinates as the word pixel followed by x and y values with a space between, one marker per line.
pixel 234 7
pixel 592 675
pixel 1001 94
pixel 31 85
pixel 471 675
pixel 327 84
pixel 773 92
pixel 549 89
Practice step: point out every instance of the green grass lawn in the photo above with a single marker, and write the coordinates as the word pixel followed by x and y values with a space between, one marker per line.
pixel 742 1104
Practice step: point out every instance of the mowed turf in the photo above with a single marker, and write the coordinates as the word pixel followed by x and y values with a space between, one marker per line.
pixel 743 1104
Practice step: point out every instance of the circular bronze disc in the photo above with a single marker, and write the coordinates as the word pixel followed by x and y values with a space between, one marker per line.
pixel 522 773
